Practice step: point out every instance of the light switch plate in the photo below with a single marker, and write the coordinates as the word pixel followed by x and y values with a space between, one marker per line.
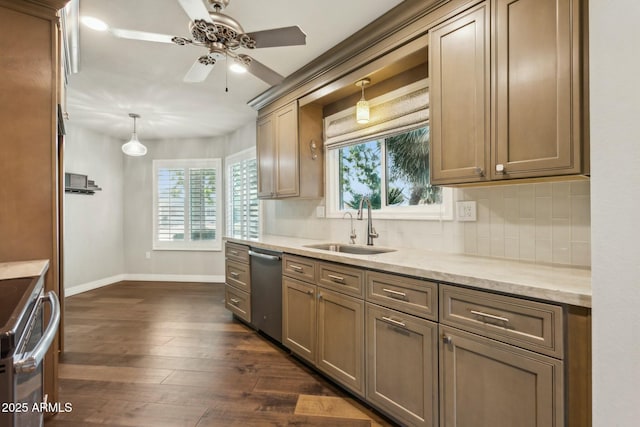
pixel 319 211
pixel 466 210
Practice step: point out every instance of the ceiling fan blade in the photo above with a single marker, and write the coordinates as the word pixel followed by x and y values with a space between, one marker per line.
pixel 286 36
pixel 141 35
pixel 195 9
pixel 264 73
pixel 198 72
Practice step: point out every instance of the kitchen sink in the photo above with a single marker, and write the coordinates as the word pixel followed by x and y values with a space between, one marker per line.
pixel 350 249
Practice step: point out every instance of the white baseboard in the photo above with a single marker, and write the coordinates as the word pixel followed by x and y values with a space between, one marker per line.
pixel 78 289
pixel 73 290
pixel 175 278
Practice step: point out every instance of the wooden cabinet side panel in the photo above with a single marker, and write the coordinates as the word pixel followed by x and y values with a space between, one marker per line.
pixel 460 98
pixel 265 153
pixel 578 366
pixel 299 317
pixel 287 167
pixel 311 159
pixel 535 76
pixel 485 383
pixel 29 152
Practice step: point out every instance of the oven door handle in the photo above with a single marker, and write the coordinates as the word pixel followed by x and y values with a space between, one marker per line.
pixel 33 359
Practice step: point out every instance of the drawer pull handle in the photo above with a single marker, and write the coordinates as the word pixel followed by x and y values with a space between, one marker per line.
pixel 489 316
pixel 395 293
pixel 335 278
pixel 394 322
pixel 295 268
pixel 233 252
pixel 234 301
pixel 234 274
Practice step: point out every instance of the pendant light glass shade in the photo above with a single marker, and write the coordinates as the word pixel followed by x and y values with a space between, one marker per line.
pixel 134 147
pixel 362 107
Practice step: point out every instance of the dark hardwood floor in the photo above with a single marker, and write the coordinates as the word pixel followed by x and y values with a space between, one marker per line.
pixel 169 354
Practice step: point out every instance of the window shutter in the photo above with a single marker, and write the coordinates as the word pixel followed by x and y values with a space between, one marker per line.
pixel 243 212
pixel 170 204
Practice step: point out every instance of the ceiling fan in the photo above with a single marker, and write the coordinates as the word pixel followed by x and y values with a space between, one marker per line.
pixel 222 36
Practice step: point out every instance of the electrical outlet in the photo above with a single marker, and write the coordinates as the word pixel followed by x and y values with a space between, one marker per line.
pixel 319 211
pixel 147 255
pixel 466 210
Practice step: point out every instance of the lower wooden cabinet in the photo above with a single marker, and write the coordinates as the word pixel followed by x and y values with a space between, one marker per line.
pixel 341 339
pixel 486 383
pixel 299 317
pixel 238 302
pixel 402 365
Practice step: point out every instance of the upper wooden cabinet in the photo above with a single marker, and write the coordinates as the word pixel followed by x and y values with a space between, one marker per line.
pixel 287 165
pixel 528 93
pixel 460 98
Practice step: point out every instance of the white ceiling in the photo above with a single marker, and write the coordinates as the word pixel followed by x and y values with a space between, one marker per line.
pixel 119 76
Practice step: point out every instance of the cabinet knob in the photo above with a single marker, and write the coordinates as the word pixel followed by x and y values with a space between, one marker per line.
pixel 446 339
pixel 501 169
pixel 479 171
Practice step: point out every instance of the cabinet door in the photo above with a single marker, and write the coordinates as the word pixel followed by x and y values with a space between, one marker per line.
pixel 266 152
pixel 485 383
pixel 286 133
pixel 460 98
pixel 341 339
pixel 299 317
pixel 402 366
pixel 537 88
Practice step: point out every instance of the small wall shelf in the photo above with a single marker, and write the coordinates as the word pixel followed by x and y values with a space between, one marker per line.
pixel 79 184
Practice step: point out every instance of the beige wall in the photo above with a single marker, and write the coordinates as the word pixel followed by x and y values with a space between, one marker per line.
pixel 93 225
pixel 547 222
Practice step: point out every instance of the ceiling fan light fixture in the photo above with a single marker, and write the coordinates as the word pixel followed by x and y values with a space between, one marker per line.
pixel 238 68
pixel 94 23
pixel 134 147
pixel 362 107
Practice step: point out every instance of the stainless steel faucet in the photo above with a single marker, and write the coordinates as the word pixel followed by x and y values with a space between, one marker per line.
pixel 352 234
pixel 371 232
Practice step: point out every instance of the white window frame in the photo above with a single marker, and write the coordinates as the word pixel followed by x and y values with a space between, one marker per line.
pixel 437 212
pixel 248 154
pixel 207 245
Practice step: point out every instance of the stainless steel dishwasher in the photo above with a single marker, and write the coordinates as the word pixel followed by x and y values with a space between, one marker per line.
pixel 266 292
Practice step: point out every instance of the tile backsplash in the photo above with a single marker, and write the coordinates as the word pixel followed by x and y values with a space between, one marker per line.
pixel 543 222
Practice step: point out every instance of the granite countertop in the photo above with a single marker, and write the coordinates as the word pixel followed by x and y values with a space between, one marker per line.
pixel 553 283
pixel 18 269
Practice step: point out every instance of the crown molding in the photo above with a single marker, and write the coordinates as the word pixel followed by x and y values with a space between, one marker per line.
pixel 398 18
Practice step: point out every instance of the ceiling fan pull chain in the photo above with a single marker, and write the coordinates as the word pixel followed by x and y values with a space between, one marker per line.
pixel 226 72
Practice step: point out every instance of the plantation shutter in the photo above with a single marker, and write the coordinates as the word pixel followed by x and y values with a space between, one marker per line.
pixel 243 208
pixel 186 204
pixel 170 204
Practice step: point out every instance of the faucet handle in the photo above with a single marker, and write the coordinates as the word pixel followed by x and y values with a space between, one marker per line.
pixel 373 233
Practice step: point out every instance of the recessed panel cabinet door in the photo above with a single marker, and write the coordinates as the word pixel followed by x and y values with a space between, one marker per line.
pixel 287 173
pixel 266 152
pixel 485 383
pixel 402 365
pixel 299 317
pixel 341 339
pixel 537 88
pixel 460 98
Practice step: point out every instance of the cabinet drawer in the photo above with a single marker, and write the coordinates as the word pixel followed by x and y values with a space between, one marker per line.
pixel 238 275
pixel 341 278
pixel 236 252
pixel 413 296
pixel 532 325
pixel 238 302
pixel 299 268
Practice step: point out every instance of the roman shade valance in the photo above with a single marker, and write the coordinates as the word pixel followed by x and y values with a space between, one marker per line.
pixel 397 111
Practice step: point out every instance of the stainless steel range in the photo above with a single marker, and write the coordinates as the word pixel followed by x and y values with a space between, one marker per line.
pixel 23 345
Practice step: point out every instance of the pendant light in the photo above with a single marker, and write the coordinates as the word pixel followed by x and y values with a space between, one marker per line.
pixel 134 147
pixel 362 107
